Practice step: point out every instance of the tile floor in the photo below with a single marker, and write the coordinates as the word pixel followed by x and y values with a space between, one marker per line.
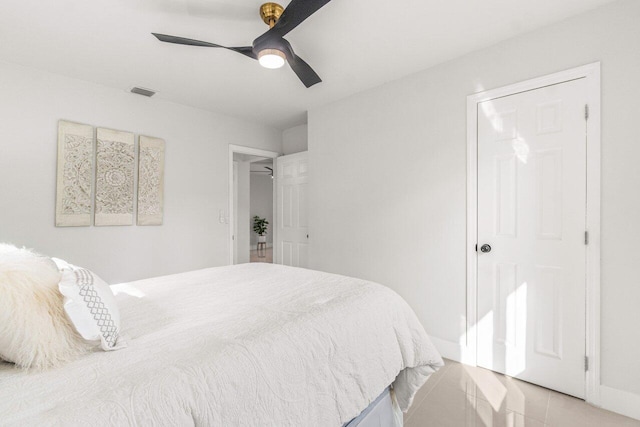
pixel 463 396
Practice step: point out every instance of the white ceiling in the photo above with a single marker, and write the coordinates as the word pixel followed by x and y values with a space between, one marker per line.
pixel 352 44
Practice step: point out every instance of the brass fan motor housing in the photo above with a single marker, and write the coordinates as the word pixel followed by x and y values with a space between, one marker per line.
pixel 270 13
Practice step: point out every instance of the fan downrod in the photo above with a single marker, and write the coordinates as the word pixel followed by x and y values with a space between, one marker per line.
pixel 270 13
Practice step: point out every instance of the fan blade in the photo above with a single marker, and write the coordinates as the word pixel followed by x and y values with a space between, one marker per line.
pixel 304 71
pixel 245 50
pixel 295 13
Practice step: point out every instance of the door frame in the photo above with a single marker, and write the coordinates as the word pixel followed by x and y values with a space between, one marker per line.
pixel 241 149
pixel 591 72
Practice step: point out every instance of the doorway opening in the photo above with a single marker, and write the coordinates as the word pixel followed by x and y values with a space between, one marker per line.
pixel 261 183
pixel 251 197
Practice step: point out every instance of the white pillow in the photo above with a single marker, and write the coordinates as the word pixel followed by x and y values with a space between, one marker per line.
pixel 90 305
pixel 34 331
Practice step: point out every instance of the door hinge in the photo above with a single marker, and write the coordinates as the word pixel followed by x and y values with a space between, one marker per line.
pixel 586 363
pixel 586 237
pixel 586 111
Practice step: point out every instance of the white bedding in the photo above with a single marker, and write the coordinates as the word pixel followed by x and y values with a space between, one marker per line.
pixel 247 345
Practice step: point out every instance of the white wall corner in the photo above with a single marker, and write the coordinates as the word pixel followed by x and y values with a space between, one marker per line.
pixel 295 139
pixel 454 351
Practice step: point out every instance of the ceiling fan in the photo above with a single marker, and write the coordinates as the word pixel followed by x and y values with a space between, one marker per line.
pixel 271 49
pixel 270 171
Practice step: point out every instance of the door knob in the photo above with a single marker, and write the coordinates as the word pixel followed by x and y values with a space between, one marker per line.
pixel 485 248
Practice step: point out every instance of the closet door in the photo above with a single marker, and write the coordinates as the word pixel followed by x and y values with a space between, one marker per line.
pixel 531 236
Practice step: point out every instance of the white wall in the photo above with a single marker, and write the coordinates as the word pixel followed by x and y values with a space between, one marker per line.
pixel 196 175
pixel 388 177
pixel 294 140
pixel 262 204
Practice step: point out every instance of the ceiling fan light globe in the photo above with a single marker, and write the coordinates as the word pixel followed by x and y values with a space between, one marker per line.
pixel 271 58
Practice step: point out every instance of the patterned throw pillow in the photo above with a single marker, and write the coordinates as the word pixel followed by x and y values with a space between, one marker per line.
pixel 90 304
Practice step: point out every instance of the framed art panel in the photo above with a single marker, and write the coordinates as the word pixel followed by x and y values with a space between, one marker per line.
pixel 115 165
pixel 150 180
pixel 74 183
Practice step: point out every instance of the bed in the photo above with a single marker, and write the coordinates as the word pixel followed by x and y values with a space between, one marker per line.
pixel 246 345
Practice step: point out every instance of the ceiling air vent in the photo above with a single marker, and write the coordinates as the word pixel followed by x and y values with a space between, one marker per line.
pixel 143 91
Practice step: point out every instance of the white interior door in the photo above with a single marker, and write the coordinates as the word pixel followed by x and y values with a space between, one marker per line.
pixel 531 212
pixel 291 198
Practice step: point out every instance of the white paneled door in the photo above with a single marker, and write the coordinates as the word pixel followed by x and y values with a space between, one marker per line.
pixel 291 194
pixel 531 236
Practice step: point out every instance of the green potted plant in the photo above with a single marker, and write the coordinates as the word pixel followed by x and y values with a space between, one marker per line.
pixel 260 227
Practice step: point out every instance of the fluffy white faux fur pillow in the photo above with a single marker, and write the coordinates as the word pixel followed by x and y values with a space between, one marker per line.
pixel 34 330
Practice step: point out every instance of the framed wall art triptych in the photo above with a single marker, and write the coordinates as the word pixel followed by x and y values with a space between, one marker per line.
pixel 110 160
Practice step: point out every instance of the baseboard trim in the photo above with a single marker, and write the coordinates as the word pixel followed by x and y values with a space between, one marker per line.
pixel 620 401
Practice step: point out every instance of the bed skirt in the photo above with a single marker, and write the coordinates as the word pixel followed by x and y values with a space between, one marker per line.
pixel 384 411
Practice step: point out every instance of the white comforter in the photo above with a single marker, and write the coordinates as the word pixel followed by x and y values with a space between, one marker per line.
pixel 248 345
